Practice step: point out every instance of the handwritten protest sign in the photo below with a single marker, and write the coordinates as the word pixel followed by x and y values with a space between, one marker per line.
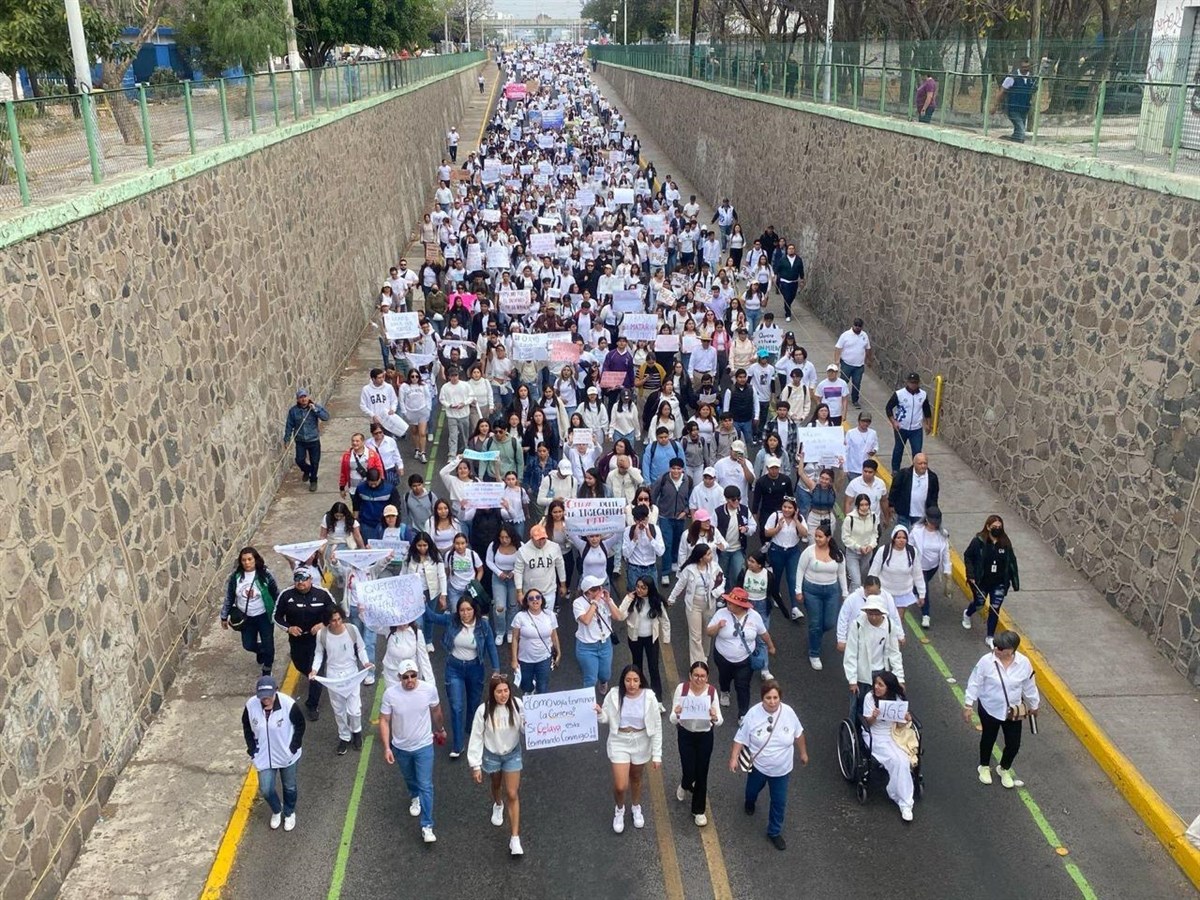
pixel 770 341
pixel 490 215
pixel 623 196
pixel 560 718
pixel 666 343
pixel 583 437
pixel 484 494
pixel 587 199
pixel 893 710
pixel 695 707
pixel 564 351
pixel 639 326
pixel 666 297
pixel 655 224
pixel 392 601
pixel 497 256
pixel 600 515
pixel 401 326
pixel 541 244
pixel 824 444
pixel 396 544
pixel 612 380
pixel 515 301
pixel 689 343
pixel 530 347
pixel 515 90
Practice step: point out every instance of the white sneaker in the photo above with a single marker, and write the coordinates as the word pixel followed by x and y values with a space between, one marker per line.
pixel 666 579
pixel 680 794
pixel 815 662
pixel 277 818
pixel 289 822
pixel 497 814
pixel 369 680
pixel 414 808
pixel 906 813
pixel 966 622
pixel 766 675
pixel 796 614
pixel 639 821
pixel 618 819
pixel 724 698
pixel 427 835
pixel 991 643
pixel 499 640
pixel 700 819
pixel 1008 779
pixel 985 775
pixel 661 709
pixel 924 621
pixel 514 846
pixel 429 648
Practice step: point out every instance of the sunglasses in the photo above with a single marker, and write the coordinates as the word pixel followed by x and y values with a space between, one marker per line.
pixel 408 677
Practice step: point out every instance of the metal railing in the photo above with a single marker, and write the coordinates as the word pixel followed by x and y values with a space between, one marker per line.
pixel 1121 119
pixel 51 146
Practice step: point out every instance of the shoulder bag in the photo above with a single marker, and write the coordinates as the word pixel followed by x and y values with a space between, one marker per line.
pixel 758 656
pixel 746 758
pixel 1012 713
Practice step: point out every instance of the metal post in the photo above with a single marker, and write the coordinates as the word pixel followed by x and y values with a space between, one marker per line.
pixel 253 101
pixel 89 130
pixel 883 90
pixel 312 91
pixel 187 113
pixel 146 125
pixel 18 153
pixel 1037 108
pixel 295 99
pixel 829 12
pixel 948 91
pixel 912 92
pixel 938 383
pixel 857 77
pixel 275 98
pixel 987 102
pixel 1181 105
pixel 833 90
pixel 1099 117
pixel 79 52
pixel 224 108
pixel 337 82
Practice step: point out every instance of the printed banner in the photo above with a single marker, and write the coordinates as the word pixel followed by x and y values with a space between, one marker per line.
pixel 392 601
pixel 481 455
pixel 602 515
pixel 560 718
pixel 515 90
pixel 553 118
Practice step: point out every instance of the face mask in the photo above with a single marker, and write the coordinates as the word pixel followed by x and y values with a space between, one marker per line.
pixel 995 530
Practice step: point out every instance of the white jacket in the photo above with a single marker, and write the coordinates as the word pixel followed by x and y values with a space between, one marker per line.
pixel 610 715
pixel 272 736
pixel 691 586
pixel 857 661
pixel 660 627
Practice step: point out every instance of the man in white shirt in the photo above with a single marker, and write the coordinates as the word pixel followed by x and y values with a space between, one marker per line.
pixel 703 362
pixel 862 443
pixel 872 485
pixel 409 716
pixel 691 209
pixel 452 143
pixel 853 352
pixel 708 494
pixel 834 393
pixel 377 398
pixel 734 470
pixel 456 397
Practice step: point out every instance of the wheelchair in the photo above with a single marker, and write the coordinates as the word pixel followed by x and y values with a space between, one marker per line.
pixel 856 763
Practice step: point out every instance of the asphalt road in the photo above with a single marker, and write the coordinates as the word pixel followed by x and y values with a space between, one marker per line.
pixel 355 837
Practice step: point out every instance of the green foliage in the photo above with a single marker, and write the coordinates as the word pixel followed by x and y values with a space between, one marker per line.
pixel 33 35
pixel 651 19
pixel 221 34
pixel 322 25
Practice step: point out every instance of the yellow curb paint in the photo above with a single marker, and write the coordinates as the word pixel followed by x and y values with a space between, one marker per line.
pixel 222 865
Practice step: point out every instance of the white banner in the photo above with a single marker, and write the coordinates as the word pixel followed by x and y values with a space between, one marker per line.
pixel 483 494
pixel 586 199
pixel 497 256
pixel 362 560
pixel 515 301
pixel 655 224
pixel 893 710
pixel 639 326
pixel 695 707
pixel 489 215
pixel 346 685
pixel 824 444
pixel 530 347
pixel 401 326
pixel 666 343
pixel 583 437
pixel 623 196
pixel 561 718
pixel 392 601
pixel 628 302
pixel 602 515
pixel 299 552
pixel 770 341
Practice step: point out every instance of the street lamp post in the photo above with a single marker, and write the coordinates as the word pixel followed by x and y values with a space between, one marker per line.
pixel 625 27
pixel 613 29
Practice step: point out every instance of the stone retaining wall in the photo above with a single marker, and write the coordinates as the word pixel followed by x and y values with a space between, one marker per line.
pixel 148 356
pixel 1064 312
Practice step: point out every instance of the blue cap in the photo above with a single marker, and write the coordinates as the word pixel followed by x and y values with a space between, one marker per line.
pixel 302 392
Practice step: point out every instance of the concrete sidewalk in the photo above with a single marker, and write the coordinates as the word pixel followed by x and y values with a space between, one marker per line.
pixel 1110 672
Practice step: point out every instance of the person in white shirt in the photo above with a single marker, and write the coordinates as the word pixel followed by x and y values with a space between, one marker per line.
pixel 862 443
pixel 884 746
pixel 1001 679
pixel 770 734
pixel 631 713
pixel 457 399
pixel 735 631
pixel 377 398
pixel 872 645
pixel 853 605
pixel 872 485
pixel 595 611
pixel 833 392
pixel 495 750
pixel 695 738
pixel 860 537
pixel 735 470
pixel 340 648
pixel 932 544
pixel 820 586
pixel 853 353
pixel 409 716
pixel 389 454
pixel 707 494
pixel 899 569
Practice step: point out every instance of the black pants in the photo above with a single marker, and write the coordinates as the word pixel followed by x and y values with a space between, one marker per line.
pixel 987 739
pixel 308 458
pixel 695 752
pixel 303 650
pixel 258 637
pixel 739 673
pixel 453 148
pixel 647 647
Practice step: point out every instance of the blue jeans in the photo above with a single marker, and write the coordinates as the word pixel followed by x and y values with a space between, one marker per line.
pixel 916 440
pixel 258 637
pixel 634 572
pixel 928 573
pixel 672 531
pixel 464 690
pixel 308 458
pixel 778 786
pixel 994 598
pixel 595 661
pixel 763 608
pixel 745 431
pixel 1018 120
pixel 732 563
pixel 416 768
pixel 752 319
pixel 535 677
pixel 854 375
pixel 504 598
pixel 783 567
pixel 821 603
pixel 369 637
pixel 266 787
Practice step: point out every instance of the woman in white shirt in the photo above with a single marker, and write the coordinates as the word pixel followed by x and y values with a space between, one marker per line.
pixel 594 612
pixel 787 533
pixel 860 536
pixel 425 560
pixel 736 630
pixel 634 739
pixel 701 531
pixel 442 526
pixel 463 566
pixel 932 544
pixel 535 647
pixel 694 732
pixel 501 559
pixel 456 475
pixel 646 626
pixel 899 569
pixel 821 576
pixel 700 582
pixel 416 406
pixel 770 734
pixel 481 395
pixel 1001 679
pixel 495 750
pixel 884 749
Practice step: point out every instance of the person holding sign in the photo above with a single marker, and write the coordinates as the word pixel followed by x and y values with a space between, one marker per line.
pixel 695 712
pixel 887 691
pixel 495 750
pixel 340 649
pixel 634 739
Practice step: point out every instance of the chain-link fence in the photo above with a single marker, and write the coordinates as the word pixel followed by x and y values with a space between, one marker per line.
pixel 52 146
pixel 1123 118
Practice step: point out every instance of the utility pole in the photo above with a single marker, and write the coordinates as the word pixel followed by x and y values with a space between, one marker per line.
pixel 79 53
pixel 677 21
pixel 293 52
pixel 625 38
pixel 828 47
pixel 692 38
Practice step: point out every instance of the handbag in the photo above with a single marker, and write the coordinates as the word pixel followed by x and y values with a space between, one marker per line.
pixel 745 759
pixel 1012 713
pixel 236 617
pixel 758 656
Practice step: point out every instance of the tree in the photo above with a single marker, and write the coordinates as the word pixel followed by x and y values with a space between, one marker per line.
pixel 33 37
pixel 117 56
pixel 224 33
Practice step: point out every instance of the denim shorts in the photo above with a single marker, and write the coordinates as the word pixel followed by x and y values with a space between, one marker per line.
pixel 502 762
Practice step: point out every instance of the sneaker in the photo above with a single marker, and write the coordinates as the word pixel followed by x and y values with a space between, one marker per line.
pixel 991 642
pixel 429 648
pixel 266 670
pixel 1008 779
pixel 342 747
pixel 455 754
pixel 796 614
pixel 985 775
pixel 700 819
pixel 500 640
pixel 966 622
pixel 906 813
pixel 497 814
pixel 665 580
pixel 619 819
pixel 639 821
pixel 312 712
pixel 724 698
pixel 414 808
pixel 815 662
pixel 924 621
pixel 749 807
pixel 356 740
pixel 276 820
pixel 680 794
pixel 427 835
pixel 514 846
pixel 289 822
pixel 369 680
pixel 787 318
pixel 778 841
pixel 661 709
pixel 766 675
pixel 312 487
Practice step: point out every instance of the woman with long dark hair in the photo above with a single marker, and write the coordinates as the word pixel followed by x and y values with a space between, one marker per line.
pixel 694 733
pixel 250 594
pixel 425 560
pixel 821 580
pixel 646 625
pixel 634 739
pixel 700 582
pixel 884 748
pixel 469 645
pixel 495 750
pixel 991 572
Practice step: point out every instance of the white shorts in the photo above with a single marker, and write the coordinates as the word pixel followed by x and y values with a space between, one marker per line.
pixel 630 747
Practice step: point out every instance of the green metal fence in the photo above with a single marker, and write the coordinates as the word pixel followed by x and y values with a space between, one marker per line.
pixel 51 146
pixel 1124 119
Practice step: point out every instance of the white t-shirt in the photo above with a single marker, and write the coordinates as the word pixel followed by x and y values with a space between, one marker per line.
pixel 875 490
pixel 249 596
pixel 533 632
pixel 854 347
pixel 727 642
pixel 633 712
pixel 771 737
pixel 833 393
pixel 920 490
pixel 464 645
pixel 600 628
pixel 462 568
pixel 788 535
pixel 860 445
pixel 408 711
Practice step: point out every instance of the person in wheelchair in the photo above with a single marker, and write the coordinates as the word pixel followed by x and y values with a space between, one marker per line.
pixel 894 745
pixel 872 645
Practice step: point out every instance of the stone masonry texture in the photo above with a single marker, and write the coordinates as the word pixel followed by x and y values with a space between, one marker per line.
pixel 148 356
pixel 1063 311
